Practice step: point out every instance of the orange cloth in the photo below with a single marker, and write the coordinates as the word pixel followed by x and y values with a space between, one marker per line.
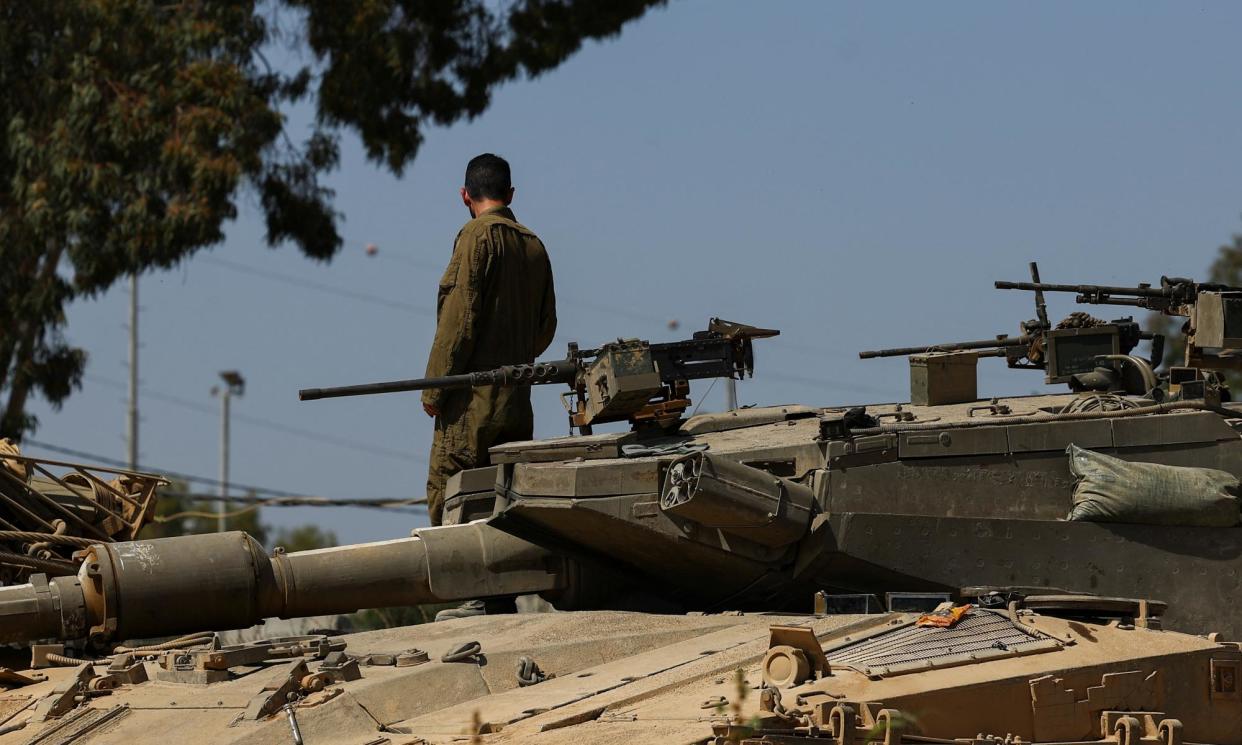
pixel 944 618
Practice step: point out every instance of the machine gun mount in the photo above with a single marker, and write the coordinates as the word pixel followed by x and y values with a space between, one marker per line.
pixel 1085 352
pixel 629 379
pixel 1214 312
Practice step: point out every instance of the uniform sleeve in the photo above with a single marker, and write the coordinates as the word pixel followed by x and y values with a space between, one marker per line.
pixel 547 316
pixel 460 310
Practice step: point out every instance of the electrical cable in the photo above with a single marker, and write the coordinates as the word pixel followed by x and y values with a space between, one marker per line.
pixel 306 501
pixel 243 268
pixel 354 445
pixel 361 297
pixel 590 304
pixel 203 479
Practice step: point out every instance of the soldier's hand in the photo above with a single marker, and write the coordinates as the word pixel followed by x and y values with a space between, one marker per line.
pixel 432 411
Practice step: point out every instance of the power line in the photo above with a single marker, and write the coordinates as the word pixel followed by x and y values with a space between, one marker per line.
pixel 191 477
pixel 368 448
pixel 590 304
pixel 575 299
pixel 381 504
pixel 243 268
pixel 361 297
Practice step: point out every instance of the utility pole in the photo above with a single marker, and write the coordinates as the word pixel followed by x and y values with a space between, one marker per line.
pixel 730 394
pixel 132 435
pixel 234 385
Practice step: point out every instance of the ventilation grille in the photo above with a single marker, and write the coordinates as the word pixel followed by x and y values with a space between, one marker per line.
pixel 981 635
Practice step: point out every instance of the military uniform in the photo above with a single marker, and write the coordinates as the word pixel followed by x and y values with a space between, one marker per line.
pixel 496 307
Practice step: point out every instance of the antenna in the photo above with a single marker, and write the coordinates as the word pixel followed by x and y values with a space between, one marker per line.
pixel 1041 310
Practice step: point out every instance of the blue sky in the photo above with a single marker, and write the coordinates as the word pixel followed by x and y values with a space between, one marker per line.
pixel 853 174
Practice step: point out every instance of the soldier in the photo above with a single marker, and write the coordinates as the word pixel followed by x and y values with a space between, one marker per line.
pixel 496 307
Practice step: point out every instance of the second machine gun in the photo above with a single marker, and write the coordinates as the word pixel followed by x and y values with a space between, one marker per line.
pixel 1213 312
pixel 1082 351
pixel 629 379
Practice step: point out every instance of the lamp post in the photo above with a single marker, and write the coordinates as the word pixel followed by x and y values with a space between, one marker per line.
pixel 234 385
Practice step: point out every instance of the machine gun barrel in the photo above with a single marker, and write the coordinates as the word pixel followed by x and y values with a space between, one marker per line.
pixel 1088 290
pixel 1172 292
pixel 983 344
pixel 538 373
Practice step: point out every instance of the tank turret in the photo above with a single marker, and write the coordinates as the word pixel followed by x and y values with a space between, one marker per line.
pixel 750 509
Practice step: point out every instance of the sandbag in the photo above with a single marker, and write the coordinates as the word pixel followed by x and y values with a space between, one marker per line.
pixel 1113 490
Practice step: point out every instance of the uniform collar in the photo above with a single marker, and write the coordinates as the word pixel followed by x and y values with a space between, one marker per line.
pixel 501 211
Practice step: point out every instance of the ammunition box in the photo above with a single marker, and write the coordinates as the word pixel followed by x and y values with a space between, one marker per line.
pixel 943 378
pixel 1218 321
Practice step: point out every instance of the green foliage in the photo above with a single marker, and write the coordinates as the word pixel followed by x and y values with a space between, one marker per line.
pixel 132 126
pixel 1174 338
pixel 1225 269
pixel 303 538
pixel 178 512
pixel 391 618
pixel 390 67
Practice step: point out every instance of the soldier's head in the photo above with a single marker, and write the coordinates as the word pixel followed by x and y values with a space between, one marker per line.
pixel 488 184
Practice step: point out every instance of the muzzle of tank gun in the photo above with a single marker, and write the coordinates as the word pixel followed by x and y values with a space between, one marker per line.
pixel 224 581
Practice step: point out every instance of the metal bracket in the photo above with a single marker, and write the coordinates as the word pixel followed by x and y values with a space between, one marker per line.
pixel 339 667
pixel 124 670
pixel 278 690
pixel 39 653
pixel 10 678
pixel 66 695
pixel 996 409
pixel 1135 727
pixel 316 647
pixel 848 722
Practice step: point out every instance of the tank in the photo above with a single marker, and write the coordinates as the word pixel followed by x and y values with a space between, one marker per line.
pixel 1011 668
pixel 782 540
pixel 52 509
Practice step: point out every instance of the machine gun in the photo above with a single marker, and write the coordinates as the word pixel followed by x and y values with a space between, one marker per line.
pixel 629 379
pixel 1214 312
pixel 1070 352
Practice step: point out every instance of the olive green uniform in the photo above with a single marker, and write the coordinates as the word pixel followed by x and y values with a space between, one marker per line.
pixel 496 307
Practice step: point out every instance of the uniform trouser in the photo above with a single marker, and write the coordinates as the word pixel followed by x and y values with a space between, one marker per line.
pixel 470 422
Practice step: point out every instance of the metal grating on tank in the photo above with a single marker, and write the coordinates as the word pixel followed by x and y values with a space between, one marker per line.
pixel 980 635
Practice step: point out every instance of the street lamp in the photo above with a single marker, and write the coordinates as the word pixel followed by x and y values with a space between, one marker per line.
pixel 234 385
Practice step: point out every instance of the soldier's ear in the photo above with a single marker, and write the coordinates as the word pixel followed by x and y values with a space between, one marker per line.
pixel 509 199
pixel 465 197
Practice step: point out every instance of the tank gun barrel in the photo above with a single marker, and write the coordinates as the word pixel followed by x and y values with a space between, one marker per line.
pixel 538 373
pixel 165 586
pixel 998 345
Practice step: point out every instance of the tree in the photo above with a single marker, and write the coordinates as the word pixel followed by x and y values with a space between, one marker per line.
pixel 179 512
pixel 132 126
pixel 1225 269
pixel 303 538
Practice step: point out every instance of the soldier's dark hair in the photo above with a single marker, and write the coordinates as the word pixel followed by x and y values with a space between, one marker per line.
pixel 487 177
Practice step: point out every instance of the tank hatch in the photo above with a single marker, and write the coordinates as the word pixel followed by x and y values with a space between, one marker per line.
pixel 723 421
pixel 979 635
pixel 586 447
